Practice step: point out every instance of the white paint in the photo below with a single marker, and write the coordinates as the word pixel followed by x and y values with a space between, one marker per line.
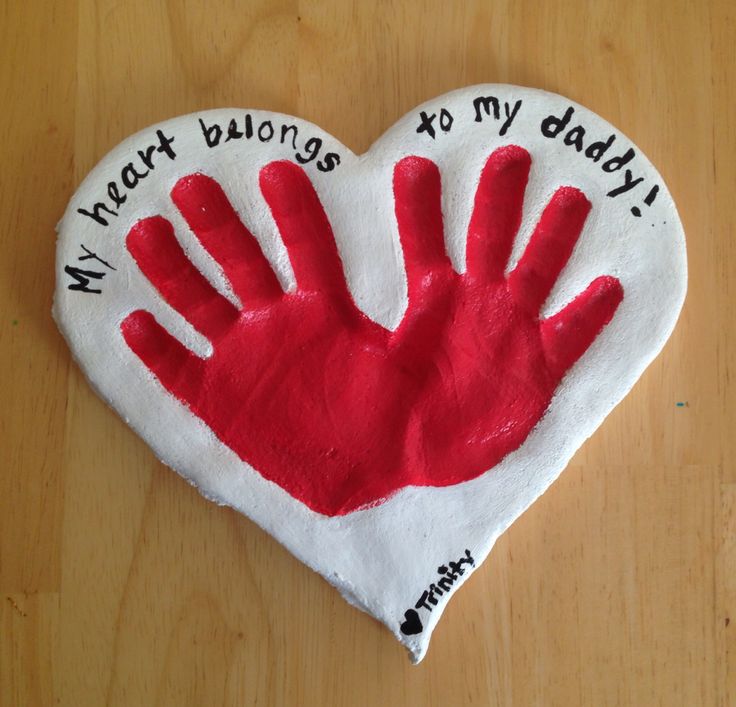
pixel 381 559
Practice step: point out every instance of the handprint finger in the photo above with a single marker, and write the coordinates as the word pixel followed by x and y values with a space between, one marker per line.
pixel 497 212
pixel 549 248
pixel 418 205
pixel 218 227
pixel 304 228
pixel 154 247
pixel 175 366
pixel 567 335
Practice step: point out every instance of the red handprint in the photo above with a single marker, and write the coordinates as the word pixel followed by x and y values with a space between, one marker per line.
pixel 337 410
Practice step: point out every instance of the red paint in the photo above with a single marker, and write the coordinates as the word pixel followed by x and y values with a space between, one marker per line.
pixel 321 400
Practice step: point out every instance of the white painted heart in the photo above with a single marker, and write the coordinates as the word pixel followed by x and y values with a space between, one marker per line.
pixel 368 458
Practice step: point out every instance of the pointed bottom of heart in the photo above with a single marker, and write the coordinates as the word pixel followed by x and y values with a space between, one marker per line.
pixel 409 612
pixel 414 628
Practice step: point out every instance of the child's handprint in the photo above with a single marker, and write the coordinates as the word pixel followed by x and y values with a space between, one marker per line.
pixel 337 410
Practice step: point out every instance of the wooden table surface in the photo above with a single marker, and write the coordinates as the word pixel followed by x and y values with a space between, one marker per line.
pixel 120 585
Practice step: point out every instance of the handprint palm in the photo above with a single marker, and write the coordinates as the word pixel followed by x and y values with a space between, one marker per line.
pixel 337 410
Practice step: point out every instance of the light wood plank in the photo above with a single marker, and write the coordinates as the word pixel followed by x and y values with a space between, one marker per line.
pixel 36 130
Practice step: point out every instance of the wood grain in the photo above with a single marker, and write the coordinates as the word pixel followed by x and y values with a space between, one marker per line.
pixel 120 585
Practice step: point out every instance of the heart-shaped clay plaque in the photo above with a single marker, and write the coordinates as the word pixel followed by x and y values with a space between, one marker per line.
pixel 383 359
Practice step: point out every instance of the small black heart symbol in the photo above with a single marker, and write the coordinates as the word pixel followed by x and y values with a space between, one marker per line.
pixel 413 623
